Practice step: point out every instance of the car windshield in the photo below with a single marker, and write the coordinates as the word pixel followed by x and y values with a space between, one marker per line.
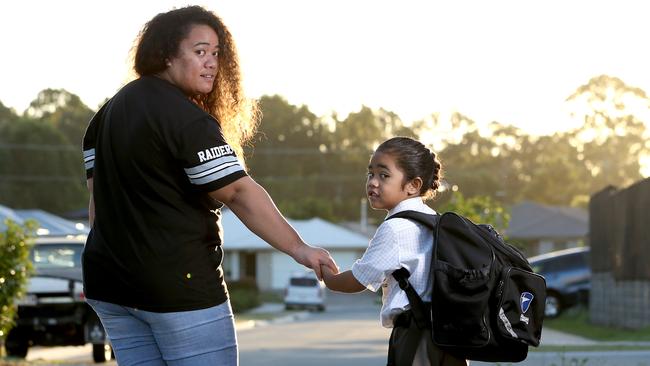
pixel 57 256
pixel 562 263
pixel 304 282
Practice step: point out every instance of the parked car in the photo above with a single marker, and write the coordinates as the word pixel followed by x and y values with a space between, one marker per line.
pixel 568 278
pixel 53 312
pixel 304 290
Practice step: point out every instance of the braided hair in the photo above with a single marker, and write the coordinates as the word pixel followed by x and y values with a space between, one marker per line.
pixel 415 160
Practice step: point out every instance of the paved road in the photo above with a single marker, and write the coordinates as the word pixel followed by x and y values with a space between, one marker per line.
pixel 348 333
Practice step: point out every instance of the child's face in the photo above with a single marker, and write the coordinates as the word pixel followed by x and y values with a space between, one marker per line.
pixel 385 185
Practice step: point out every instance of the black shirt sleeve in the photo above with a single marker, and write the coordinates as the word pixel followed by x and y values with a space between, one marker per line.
pixel 209 162
pixel 89 142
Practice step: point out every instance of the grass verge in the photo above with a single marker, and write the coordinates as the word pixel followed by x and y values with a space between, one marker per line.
pixel 594 348
pixel 576 321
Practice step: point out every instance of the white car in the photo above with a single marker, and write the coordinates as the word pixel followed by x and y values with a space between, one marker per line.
pixel 54 312
pixel 304 290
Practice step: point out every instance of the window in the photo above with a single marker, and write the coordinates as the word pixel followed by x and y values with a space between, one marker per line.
pixel 57 256
pixel 303 282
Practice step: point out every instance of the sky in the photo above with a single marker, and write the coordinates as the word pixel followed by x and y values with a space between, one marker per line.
pixel 509 61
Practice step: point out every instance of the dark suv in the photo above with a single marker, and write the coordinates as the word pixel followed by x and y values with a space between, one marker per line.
pixel 568 278
pixel 54 312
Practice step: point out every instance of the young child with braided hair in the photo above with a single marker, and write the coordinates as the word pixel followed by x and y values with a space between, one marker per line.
pixel 402 174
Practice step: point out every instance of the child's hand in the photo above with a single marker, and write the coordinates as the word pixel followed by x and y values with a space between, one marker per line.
pixel 341 281
pixel 327 272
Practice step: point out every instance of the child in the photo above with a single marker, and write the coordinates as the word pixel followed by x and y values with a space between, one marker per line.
pixel 401 174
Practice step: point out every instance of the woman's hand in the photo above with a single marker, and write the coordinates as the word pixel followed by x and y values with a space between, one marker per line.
pixel 314 258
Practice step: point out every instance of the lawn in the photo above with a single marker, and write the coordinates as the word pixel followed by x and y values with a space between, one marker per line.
pixel 576 321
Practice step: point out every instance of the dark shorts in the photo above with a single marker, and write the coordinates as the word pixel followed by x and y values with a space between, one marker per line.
pixel 412 346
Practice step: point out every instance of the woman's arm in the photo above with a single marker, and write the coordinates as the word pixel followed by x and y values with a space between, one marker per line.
pixel 255 208
pixel 341 282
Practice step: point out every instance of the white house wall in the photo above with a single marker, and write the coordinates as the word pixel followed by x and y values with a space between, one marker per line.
pixel 231 264
pixel 264 270
pixel 345 258
pixel 282 266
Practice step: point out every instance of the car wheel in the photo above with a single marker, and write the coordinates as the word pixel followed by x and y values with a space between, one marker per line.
pixel 553 306
pixel 16 345
pixel 102 352
pixel 17 349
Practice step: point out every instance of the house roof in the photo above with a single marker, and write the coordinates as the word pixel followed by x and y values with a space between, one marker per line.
pixel 48 224
pixel 531 220
pixel 316 231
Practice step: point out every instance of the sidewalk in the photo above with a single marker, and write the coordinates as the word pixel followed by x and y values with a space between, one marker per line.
pixel 550 337
pixel 276 312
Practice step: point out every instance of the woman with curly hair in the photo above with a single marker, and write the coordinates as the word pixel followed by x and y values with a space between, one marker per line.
pixel 162 156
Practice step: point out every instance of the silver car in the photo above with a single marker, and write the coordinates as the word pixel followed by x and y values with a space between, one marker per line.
pixel 54 312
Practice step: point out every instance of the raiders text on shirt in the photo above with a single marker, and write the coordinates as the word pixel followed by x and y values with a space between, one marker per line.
pixel 214 152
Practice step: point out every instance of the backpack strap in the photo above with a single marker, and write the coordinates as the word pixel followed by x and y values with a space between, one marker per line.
pixel 418 308
pixel 428 220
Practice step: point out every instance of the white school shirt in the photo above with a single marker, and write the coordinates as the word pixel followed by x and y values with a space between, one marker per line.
pixel 397 243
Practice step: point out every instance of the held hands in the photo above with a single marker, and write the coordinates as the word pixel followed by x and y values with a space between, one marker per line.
pixel 314 258
pixel 327 273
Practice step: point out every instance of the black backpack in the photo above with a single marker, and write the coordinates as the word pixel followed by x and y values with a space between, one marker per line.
pixel 486 303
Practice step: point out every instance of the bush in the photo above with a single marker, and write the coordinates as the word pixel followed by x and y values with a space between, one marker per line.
pixel 15 268
pixel 244 295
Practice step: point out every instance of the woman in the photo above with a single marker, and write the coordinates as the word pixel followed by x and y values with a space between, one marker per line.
pixel 162 156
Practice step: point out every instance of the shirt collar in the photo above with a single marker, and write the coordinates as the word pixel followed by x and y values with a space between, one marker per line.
pixel 414 204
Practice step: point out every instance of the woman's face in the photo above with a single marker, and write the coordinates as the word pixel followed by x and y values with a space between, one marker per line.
pixel 194 68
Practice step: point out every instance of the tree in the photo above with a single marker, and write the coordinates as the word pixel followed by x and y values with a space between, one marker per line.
pixel 479 209
pixel 6 114
pixel 471 162
pixel 289 158
pixel 62 110
pixel 553 171
pixel 287 133
pixel 15 268
pixel 613 137
pixel 316 166
pixel 39 169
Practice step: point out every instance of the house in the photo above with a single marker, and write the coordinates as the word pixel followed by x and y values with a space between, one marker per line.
pixel 248 256
pixel 545 228
pixel 48 224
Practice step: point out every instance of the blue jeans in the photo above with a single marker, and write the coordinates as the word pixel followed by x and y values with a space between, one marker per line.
pixel 186 338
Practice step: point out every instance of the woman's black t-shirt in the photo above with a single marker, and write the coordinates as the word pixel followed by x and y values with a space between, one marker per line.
pixel 156 241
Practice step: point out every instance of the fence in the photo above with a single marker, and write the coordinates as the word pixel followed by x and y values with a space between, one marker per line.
pixel 619 236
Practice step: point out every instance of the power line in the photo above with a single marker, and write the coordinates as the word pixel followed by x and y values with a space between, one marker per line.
pixel 39 147
pixel 41 178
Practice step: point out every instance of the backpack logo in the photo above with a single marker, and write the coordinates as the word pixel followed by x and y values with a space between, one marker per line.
pixel 525 300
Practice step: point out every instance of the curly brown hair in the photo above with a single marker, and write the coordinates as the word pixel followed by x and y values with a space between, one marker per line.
pixel 159 40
